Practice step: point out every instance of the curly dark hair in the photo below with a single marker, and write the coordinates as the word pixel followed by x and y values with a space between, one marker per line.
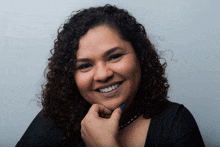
pixel 60 97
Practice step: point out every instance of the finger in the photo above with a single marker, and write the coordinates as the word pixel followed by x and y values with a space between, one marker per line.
pixel 107 116
pixel 116 115
pixel 105 110
pixel 97 109
pixel 102 115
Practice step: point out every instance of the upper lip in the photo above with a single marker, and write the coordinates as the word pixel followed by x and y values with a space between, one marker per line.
pixel 107 85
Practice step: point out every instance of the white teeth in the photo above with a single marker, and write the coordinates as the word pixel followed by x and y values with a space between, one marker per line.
pixel 109 88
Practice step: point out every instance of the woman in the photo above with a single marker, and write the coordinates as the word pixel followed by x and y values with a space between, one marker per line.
pixel 102 61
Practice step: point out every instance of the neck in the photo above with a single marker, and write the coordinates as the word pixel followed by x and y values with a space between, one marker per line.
pixel 130 113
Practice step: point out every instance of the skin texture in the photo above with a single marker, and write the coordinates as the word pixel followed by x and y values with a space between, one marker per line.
pixel 103 70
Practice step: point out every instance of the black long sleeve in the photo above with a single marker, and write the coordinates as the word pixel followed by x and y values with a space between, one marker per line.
pixel 175 127
pixel 41 134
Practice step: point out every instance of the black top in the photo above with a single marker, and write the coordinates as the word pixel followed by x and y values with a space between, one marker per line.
pixel 174 127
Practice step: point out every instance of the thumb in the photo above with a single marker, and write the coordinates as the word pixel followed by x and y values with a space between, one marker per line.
pixel 116 114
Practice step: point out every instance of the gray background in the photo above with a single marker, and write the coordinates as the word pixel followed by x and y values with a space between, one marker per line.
pixel 187 30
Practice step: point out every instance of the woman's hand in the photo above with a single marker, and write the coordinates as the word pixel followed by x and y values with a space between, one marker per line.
pixel 100 132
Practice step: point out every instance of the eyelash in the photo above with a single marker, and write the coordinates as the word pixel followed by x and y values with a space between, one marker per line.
pixel 84 66
pixel 115 56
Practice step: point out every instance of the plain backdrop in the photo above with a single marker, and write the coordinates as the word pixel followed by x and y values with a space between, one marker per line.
pixel 186 31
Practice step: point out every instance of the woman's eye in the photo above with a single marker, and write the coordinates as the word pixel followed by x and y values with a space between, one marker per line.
pixel 115 56
pixel 84 66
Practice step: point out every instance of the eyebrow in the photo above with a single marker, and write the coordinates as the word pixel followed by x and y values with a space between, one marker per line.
pixel 105 54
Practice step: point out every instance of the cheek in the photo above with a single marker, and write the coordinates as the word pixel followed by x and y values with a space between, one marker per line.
pixel 82 81
pixel 129 68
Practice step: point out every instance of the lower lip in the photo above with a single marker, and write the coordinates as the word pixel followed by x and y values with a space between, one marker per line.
pixel 111 93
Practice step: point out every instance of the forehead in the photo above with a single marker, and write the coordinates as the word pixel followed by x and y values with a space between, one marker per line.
pixel 99 40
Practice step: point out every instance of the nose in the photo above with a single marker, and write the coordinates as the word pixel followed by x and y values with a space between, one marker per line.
pixel 102 73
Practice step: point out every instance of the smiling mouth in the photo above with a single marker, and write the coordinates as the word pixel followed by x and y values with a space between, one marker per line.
pixel 110 88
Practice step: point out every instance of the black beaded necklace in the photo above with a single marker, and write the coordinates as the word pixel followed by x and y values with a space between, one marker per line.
pixel 130 121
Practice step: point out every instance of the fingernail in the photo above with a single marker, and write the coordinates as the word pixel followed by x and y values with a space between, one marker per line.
pixel 122 106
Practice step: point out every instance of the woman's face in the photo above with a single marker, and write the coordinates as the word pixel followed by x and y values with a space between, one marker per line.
pixel 108 71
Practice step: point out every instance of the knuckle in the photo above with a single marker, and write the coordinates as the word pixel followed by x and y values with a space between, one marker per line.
pixel 87 119
pixel 82 135
pixel 82 122
pixel 95 105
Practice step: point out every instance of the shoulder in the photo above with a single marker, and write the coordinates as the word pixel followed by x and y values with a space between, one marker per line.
pixel 175 124
pixel 41 133
pixel 174 110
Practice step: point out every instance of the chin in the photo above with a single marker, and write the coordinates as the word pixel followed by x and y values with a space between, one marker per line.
pixel 113 106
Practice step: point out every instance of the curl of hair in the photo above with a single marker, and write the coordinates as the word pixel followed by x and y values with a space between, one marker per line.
pixel 60 97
